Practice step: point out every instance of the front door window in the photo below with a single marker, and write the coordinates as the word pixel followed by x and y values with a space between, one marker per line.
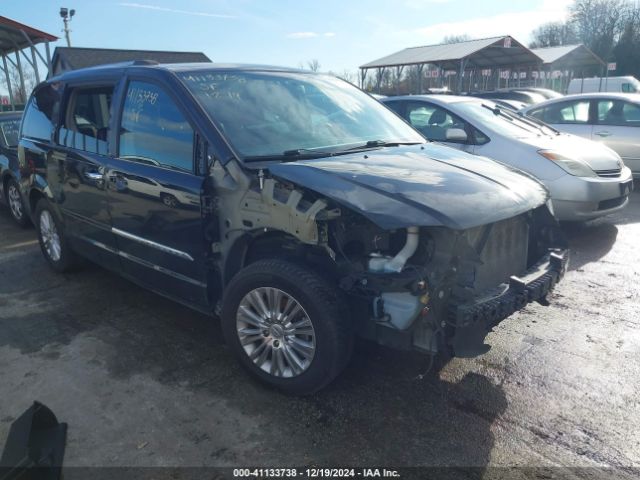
pixel 154 131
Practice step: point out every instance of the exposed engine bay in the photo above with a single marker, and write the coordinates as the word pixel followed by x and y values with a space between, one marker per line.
pixel 419 281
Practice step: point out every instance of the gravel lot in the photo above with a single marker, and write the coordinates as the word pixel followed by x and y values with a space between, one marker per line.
pixel 146 382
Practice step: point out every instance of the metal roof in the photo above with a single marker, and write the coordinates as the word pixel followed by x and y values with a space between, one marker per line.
pixel 569 56
pixel 73 58
pixel 482 53
pixel 15 36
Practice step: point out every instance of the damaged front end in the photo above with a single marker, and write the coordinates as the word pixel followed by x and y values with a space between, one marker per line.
pixel 446 289
pixel 431 254
pixel 434 249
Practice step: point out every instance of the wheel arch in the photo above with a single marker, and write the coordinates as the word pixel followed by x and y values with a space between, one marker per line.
pixel 260 245
pixel 6 176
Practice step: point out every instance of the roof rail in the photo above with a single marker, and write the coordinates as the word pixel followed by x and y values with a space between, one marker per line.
pixel 145 62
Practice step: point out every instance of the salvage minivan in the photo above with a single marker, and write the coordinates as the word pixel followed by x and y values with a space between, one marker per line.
pixel 292 205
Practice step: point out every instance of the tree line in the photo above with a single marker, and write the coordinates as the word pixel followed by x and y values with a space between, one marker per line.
pixel 609 28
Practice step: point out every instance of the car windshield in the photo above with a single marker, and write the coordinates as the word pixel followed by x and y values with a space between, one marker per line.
pixel 9 131
pixel 500 120
pixel 272 114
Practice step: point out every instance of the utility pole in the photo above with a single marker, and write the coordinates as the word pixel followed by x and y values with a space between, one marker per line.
pixel 67 15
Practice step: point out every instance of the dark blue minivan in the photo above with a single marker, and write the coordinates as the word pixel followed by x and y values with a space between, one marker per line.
pixel 290 204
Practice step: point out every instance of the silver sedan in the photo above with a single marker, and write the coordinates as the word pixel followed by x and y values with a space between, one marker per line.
pixel 586 179
pixel 609 118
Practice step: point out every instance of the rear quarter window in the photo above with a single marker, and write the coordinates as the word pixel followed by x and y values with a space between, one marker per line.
pixel 40 114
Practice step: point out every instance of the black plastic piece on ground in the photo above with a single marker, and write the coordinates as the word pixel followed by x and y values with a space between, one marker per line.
pixel 35 446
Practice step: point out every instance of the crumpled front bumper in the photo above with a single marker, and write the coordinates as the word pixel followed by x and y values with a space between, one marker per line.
pixel 474 319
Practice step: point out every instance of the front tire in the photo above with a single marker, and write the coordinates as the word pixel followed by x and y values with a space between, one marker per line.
pixel 16 205
pixel 53 242
pixel 287 325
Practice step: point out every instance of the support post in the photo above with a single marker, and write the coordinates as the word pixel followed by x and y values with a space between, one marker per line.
pixel 399 69
pixel 23 89
pixel 463 64
pixel 379 75
pixel 35 63
pixel 420 71
pixel 8 80
pixel 49 66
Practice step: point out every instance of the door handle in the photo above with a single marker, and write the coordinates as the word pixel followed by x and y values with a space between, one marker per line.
pixel 94 176
pixel 604 134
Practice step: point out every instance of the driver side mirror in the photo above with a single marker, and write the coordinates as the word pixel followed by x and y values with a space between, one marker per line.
pixel 456 135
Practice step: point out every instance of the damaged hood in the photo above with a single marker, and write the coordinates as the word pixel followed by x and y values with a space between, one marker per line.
pixel 421 185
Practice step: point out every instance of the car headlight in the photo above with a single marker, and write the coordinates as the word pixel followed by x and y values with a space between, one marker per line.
pixel 569 165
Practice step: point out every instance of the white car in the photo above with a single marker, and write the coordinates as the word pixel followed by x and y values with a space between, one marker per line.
pixel 609 118
pixel 586 179
pixel 603 84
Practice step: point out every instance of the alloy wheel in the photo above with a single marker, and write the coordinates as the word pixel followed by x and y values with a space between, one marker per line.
pixel 276 332
pixel 15 202
pixel 50 237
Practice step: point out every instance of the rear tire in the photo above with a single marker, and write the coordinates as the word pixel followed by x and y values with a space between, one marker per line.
pixel 53 242
pixel 15 203
pixel 288 326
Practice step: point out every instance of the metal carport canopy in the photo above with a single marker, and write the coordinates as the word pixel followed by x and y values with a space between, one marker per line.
pixel 484 53
pixel 16 37
pixel 568 56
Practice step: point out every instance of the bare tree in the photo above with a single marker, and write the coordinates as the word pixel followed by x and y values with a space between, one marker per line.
pixel 313 65
pixel 20 96
pixel 456 38
pixel 347 76
pixel 627 51
pixel 599 23
pixel 553 34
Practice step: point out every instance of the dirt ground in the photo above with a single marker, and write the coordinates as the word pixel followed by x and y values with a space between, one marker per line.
pixel 142 381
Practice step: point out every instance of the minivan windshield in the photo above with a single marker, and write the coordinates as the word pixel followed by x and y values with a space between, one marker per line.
pixel 287 114
pixel 501 120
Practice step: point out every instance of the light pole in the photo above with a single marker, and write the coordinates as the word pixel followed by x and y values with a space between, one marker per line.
pixel 67 15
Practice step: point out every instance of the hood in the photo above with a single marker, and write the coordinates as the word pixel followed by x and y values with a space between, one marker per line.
pixel 422 185
pixel 594 154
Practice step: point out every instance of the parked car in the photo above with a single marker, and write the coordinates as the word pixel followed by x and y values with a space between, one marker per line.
pixel 322 215
pixel 10 192
pixel 545 92
pixel 529 98
pixel 603 84
pixel 512 105
pixel 586 179
pixel 609 118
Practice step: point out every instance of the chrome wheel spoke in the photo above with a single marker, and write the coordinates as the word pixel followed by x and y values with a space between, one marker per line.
pixel 251 339
pixel 249 317
pixel 303 327
pixel 276 301
pixel 261 358
pixel 302 347
pixel 250 331
pixel 275 332
pixel 292 359
pixel 274 367
pixel 258 304
pixel 290 315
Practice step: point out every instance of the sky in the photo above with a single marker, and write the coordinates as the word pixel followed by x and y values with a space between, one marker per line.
pixel 340 34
